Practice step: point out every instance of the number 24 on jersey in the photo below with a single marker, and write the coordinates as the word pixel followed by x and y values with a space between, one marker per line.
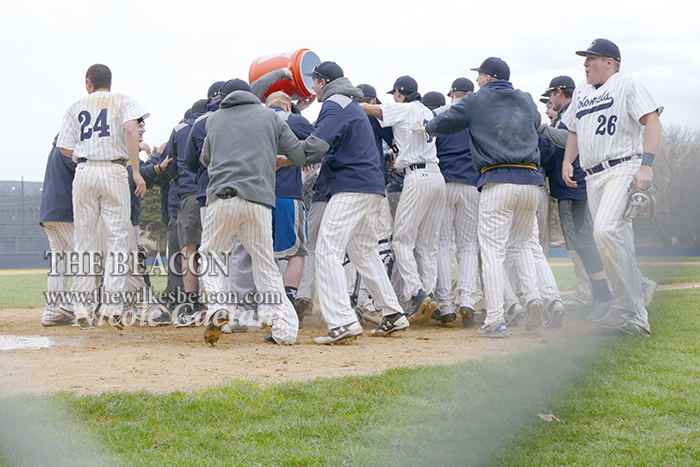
pixel 101 127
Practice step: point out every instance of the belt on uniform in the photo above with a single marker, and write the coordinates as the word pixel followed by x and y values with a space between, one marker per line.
pixel 522 166
pixel 606 165
pixel 121 162
pixel 416 166
pixel 227 193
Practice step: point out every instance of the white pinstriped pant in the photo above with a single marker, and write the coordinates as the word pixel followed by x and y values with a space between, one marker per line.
pixel 308 277
pixel 614 236
pixel 101 193
pixel 385 228
pixel 416 229
pixel 61 243
pixel 231 218
pixel 349 224
pixel 543 214
pixel 546 283
pixel 506 220
pixel 460 214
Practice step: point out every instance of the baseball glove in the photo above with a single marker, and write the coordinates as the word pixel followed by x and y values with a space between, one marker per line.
pixel 641 204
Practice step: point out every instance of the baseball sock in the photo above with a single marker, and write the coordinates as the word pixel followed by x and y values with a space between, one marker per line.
pixel 600 290
pixel 291 293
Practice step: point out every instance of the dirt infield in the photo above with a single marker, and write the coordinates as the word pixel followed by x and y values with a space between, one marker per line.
pixel 168 359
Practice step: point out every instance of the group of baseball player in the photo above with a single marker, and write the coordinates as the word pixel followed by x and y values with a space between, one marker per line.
pixel 373 202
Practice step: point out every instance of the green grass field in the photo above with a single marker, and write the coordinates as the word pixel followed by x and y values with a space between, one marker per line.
pixel 620 401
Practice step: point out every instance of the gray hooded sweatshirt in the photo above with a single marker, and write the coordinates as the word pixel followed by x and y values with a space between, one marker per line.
pixel 240 151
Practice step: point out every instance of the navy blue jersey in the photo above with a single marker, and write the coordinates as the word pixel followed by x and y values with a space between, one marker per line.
pixel 352 162
pixel 552 163
pixel 552 158
pixel 503 132
pixel 382 134
pixel 288 179
pixel 188 142
pixel 57 191
pixel 456 158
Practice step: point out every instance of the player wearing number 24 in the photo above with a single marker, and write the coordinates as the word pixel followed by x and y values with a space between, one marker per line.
pixel 100 133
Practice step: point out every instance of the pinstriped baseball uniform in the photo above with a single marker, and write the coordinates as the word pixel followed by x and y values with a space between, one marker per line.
pixel 606 122
pixel 61 241
pixel 385 228
pixel 510 223
pixel 93 128
pixel 251 223
pixel 460 215
pixel 348 224
pixel 417 222
pixel 546 283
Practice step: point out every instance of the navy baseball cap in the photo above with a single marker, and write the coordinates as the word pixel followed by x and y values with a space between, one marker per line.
pixel 433 99
pixel 368 90
pixel 602 47
pixel 495 67
pixel 200 106
pixel 461 84
pixel 405 85
pixel 214 88
pixel 544 99
pixel 233 85
pixel 564 82
pixel 326 70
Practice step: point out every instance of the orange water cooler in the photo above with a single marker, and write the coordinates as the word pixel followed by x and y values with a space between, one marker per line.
pixel 300 62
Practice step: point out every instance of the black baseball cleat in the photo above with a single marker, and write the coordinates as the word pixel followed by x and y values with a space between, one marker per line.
pixel 419 302
pixel 555 315
pixel 270 339
pixel 514 314
pixel 390 324
pixel 60 320
pixel 341 332
pixel 467 316
pixel 534 311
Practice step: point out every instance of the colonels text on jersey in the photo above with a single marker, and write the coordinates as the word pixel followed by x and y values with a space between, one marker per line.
pixel 606 118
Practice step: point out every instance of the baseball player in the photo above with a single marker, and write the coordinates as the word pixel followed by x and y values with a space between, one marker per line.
pixel 460 215
pixel 504 151
pixel 100 132
pixel 175 147
pixel 240 197
pixel 609 114
pixel 574 216
pixel 193 180
pixel 416 223
pixel 56 217
pixel 383 137
pixel 344 142
pixel 288 220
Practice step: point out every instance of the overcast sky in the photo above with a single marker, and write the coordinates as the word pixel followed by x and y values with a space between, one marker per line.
pixel 165 54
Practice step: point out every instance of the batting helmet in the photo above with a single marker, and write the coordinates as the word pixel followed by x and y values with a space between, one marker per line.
pixel 641 204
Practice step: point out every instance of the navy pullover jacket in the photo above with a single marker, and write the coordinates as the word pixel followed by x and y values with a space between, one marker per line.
pixel 57 191
pixel 502 124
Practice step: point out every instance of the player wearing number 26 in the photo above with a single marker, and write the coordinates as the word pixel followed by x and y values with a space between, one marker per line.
pixel 100 133
pixel 615 131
